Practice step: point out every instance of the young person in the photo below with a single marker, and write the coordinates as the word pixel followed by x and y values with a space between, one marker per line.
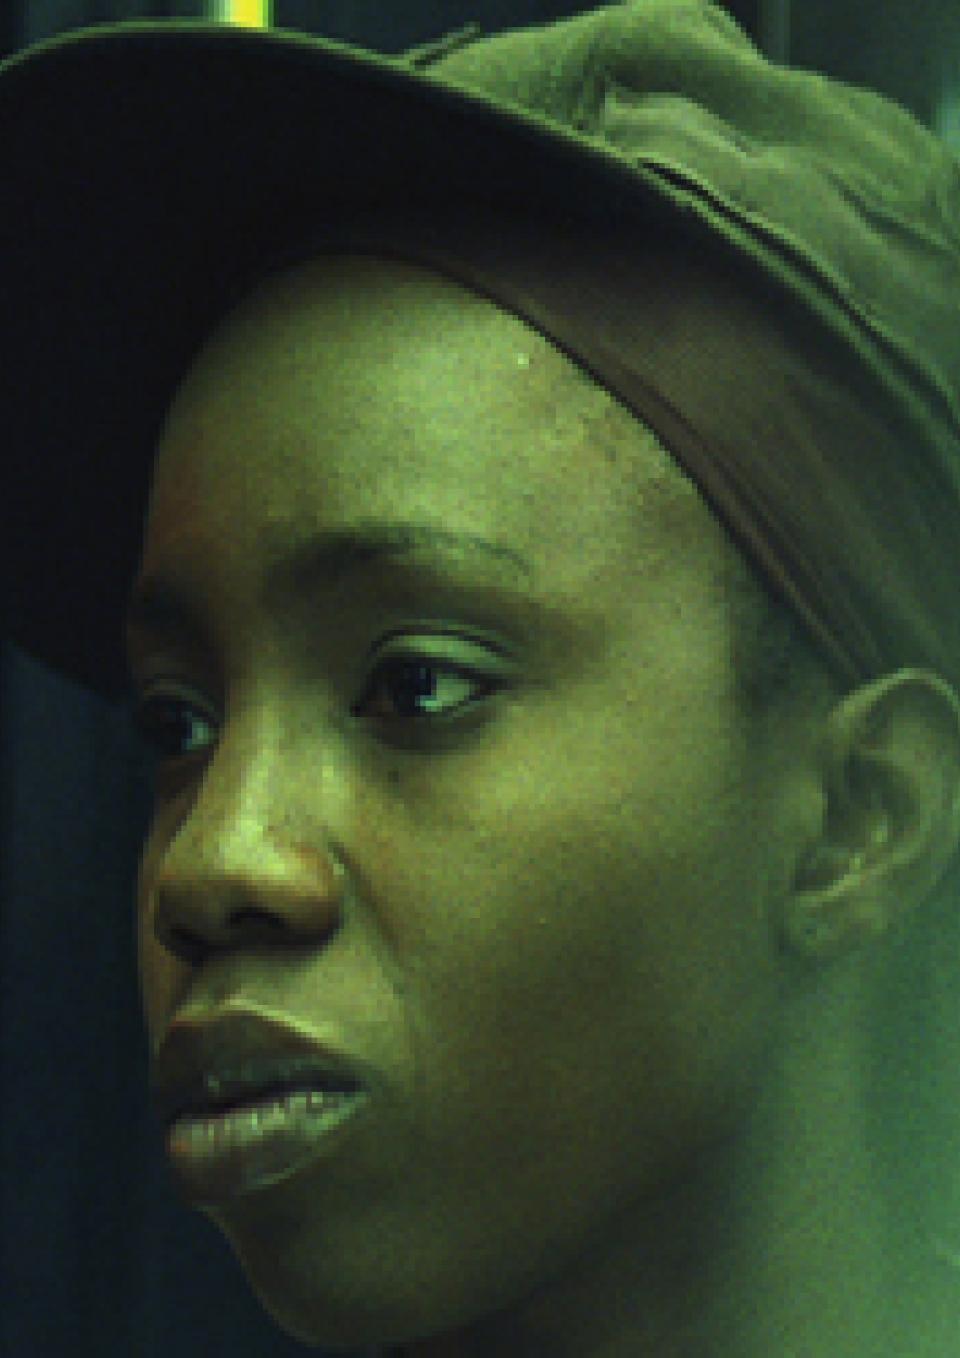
pixel 537 596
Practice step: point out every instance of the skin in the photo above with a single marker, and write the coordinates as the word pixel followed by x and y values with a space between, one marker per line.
pixel 619 1106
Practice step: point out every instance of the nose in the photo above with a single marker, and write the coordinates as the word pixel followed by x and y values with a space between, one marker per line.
pixel 242 887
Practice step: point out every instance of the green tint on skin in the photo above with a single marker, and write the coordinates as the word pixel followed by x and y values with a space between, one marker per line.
pixel 556 939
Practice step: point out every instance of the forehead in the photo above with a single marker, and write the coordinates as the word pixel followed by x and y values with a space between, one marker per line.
pixel 356 388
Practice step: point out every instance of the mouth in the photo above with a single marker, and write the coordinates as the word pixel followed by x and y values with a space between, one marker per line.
pixel 248 1101
pixel 263 1081
pixel 239 1058
pixel 254 1146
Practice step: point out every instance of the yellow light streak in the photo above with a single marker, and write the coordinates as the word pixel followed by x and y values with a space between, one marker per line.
pixel 245 13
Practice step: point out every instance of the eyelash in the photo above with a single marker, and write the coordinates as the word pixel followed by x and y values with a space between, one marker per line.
pixel 146 726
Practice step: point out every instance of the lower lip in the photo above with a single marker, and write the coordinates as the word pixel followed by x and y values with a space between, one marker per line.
pixel 258 1144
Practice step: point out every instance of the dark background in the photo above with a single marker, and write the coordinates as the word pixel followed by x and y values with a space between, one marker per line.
pixel 96 1254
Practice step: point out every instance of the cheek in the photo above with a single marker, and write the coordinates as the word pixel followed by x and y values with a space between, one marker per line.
pixel 155 987
pixel 590 1018
pixel 619 948
pixel 605 967
pixel 159 972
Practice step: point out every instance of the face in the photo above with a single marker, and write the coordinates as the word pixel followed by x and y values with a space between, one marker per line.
pixel 550 943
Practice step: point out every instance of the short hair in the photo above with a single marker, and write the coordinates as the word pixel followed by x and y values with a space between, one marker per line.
pixel 912 1096
pixel 776 662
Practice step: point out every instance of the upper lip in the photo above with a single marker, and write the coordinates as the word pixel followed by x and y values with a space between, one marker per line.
pixel 235 1054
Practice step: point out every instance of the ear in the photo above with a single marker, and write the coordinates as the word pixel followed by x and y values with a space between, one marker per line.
pixel 891 781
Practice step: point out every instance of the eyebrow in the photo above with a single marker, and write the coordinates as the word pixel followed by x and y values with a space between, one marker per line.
pixel 163 607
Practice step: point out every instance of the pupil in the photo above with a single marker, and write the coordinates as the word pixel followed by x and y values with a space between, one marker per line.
pixel 412 689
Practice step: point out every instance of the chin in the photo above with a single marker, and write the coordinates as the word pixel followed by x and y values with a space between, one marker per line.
pixel 341 1297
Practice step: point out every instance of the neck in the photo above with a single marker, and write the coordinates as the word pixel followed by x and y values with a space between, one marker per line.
pixel 812 1233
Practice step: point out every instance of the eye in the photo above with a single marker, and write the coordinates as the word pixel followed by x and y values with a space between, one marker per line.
pixel 162 720
pixel 410 676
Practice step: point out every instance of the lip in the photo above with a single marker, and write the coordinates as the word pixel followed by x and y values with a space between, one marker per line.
pixel 236 1055
pixel 259 1145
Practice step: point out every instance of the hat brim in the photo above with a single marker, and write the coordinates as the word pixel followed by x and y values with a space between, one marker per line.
pixel 143 167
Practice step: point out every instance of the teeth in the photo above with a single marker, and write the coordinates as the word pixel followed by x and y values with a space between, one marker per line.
pixel 262 1086
pixel 294 1101
pixel 269 1098
pixel 272 1074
